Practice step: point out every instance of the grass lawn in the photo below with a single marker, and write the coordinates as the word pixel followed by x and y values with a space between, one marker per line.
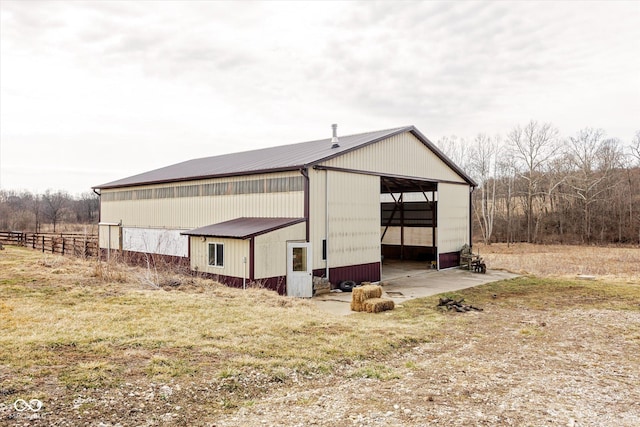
pixel 95 342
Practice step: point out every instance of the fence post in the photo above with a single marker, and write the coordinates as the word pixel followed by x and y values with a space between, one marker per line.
pixel 42 243
pixel 63 246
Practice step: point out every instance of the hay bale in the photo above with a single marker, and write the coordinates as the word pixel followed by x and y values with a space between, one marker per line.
pixel 376 305
pixel 362 293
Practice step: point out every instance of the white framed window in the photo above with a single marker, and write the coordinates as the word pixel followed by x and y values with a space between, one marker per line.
pixel 216 254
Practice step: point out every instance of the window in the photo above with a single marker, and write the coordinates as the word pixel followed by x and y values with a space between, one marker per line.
pixel 299 259
pixel 216 254
pixel 188 191
pixel 165 193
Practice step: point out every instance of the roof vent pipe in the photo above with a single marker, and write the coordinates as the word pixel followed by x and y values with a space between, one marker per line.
pixel 334 138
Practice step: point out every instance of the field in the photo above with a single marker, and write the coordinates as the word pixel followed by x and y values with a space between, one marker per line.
pixel 105 345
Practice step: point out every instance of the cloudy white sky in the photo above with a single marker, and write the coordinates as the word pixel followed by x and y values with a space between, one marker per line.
pixel 93 91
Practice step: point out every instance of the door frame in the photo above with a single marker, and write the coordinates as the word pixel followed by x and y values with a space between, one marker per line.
pixel 299 283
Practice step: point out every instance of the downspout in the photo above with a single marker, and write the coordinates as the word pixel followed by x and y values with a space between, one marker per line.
pixel 471 217
pixel 99 220
pixel 305 173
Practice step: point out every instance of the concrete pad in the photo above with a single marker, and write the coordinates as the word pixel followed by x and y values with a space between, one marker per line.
pixel 411 284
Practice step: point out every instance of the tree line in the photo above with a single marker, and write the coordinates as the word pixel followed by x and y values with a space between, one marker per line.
pixel 537 186
pixel 26 211
pixel 534 185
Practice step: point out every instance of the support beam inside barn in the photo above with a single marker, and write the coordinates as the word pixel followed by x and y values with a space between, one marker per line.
pixel 408 219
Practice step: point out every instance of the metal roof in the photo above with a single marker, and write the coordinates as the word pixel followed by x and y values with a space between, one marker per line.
pixel 273 159
pixel 243 228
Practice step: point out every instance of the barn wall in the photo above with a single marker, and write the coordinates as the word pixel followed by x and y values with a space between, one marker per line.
pixel 270 250
pixel 453 217
pixel 155 240
pixel 108 232
pixel 354 218
pixel 413 236
pixel 402 154
pixel 192 211
pixel 234 252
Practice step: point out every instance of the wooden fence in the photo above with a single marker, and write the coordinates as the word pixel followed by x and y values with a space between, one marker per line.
pixel 77 244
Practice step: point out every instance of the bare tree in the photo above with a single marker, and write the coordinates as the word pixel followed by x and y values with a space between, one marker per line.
pixel 533 145
pixel 483 167
pixel 593 158
pixel 54 205
pixel 86 207
pixel 635 146
pixel 457 149
pixel 506 172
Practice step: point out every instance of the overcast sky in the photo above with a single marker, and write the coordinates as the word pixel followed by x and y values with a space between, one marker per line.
pixel 94 91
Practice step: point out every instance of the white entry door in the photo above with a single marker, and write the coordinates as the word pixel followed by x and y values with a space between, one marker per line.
pixel 299 273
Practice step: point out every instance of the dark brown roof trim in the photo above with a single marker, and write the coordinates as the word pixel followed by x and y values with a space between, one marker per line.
pixel 270 224
pixel 388 175
pixel 200 178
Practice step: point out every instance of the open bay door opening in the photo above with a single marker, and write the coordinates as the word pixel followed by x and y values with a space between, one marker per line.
pixel 299 274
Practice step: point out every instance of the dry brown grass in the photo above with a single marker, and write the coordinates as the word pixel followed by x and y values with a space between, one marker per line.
pixel 71 326
pixel 97 345
pixel 607 263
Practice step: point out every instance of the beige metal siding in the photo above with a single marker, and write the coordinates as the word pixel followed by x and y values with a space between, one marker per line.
pixel 413 236
pixel 402 154
pixel 354 213
pixel 109 236
pixel 271 250
pixel 185 211
pixel 453 217
pixel 317 215
pixel 234 252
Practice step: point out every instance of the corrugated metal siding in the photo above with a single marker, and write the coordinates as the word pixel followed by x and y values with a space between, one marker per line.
pixel 317 215
pixel 198 211
pixel 358 273
pixel 234 251
pixel 413 236
pixel 354 213
pixel 401 154
pixel 155 240
pixel 271 250
pixel 448 260
pixel 453 217
pixel 104 234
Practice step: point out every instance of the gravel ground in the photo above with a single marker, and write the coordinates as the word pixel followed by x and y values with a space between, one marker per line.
pixel 499 367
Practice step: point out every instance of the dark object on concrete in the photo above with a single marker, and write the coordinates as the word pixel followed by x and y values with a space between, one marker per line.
pixel 347 285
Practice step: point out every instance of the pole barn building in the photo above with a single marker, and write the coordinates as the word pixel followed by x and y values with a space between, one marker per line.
pixel 333 208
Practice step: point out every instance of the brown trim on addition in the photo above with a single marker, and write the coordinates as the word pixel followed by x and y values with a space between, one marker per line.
pixel 277 283
pixel 252 255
